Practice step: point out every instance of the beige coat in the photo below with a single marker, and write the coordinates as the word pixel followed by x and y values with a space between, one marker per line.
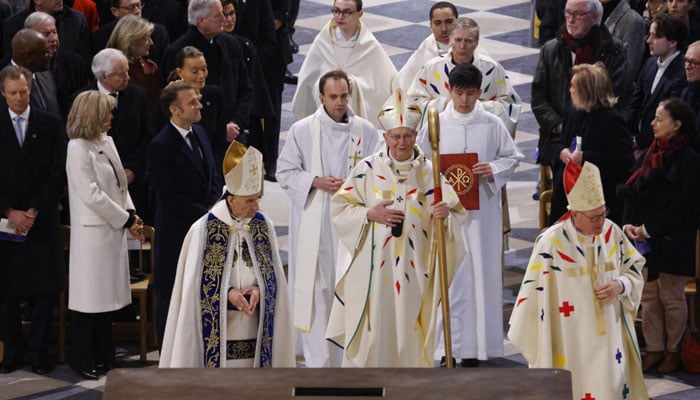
pixel 99 264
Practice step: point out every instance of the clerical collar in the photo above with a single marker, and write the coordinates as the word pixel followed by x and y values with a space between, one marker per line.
pixel 443 48
pixel 344 120
pixel 341 41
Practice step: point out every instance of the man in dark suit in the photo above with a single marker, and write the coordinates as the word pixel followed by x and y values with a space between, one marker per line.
pixel 185 183
pixel 32 177
pixel 67 71
pixel 691 93
pixel 131 129
pixel 661 76
pixel 264 22
pixel 71 24
pixel 225 61
pixel 122 8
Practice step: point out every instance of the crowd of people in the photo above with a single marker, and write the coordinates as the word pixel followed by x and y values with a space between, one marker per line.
pixel 138 107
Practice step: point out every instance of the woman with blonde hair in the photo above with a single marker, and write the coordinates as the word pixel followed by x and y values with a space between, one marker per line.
pixel 593 131
pixel 101 214
pixel 132 35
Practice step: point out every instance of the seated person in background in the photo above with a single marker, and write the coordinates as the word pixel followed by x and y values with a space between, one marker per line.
pixel 231 253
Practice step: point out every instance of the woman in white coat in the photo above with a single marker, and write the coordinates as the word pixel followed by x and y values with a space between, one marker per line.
pixel 101 213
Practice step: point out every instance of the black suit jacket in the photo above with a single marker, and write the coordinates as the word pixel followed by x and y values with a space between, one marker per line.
pixel 226 69
pixel 160 38
pixel 71 25
pixel 184 189
pixel 642 107
pixel 131 128
pixel 606 142
pixel 70 75
pixel 33 176
pixel 171 14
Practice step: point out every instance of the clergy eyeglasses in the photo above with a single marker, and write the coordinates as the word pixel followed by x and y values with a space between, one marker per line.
pixel 595 218
pixel 337 12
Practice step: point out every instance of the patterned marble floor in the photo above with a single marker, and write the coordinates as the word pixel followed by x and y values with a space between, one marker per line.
pixel 400 25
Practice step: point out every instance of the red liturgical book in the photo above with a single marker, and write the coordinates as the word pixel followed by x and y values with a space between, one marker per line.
pixel 457 169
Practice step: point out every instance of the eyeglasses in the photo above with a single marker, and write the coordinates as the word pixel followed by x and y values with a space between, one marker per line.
pixel 405 137
pixel 230 15
pixel 595 218
pixel 337 12
pixel 692 63
pixel 133 7
pixel 575 15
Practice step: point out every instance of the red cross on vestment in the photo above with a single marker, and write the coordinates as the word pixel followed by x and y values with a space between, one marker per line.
pixel 566 309
pixel 588 397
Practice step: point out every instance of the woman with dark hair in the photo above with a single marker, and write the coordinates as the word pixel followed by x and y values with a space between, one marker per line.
pixel 593 131
pixel 191 67
pixel 661 216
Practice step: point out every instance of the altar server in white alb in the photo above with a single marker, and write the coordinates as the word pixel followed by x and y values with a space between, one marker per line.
pixel 476 291
pixel 580 295
pixel 318 155
pixel 387 294
pixel 498 96
pixel 229 306
pixel 345 43
pixel 442 15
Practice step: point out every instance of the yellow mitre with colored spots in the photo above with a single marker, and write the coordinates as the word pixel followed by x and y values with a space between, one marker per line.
pixel 584 189
pixel 399 111
pixel 243 170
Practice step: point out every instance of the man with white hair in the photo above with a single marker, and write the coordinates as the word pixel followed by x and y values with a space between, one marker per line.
pixel 225 62
pixel 580 295
pixel 130 128
pixel 582 39
pixel 345 43
pixel 387 293
pixel 71 25
pixel 230 306
pixel 431 83
pixel 67 71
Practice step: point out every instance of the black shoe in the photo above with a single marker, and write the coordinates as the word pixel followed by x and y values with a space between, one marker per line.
pixel 293 45
pixel 470 362
pixel 443 362
pixel 41 369
pixel 270 178
pixel 290 78
pixel 7 367
pixel 103 369
pixel 88 373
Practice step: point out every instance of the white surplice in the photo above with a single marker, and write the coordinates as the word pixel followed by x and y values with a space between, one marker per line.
pixel 431 85
pixel 369 68
pixel 387 294
pixel 428 49
pixel 476 293
pixel 210 253
pixel 342 145
pixel 557 321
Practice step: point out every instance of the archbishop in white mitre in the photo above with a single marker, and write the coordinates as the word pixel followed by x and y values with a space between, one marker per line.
pixel 387 293
pixel 229 306
pixel 580 295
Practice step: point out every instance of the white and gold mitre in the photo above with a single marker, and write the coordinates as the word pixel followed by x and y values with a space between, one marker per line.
pixel 399 111
pixel 243 170
pixel 584 189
